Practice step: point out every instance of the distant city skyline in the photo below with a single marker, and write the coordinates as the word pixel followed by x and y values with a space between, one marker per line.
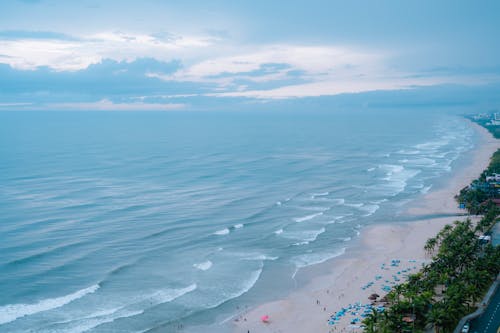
pixel 159 55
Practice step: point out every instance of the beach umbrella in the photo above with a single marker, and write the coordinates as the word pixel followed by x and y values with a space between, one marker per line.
pixel 264 318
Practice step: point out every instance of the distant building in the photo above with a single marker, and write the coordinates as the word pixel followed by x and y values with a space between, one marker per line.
pixel 484 239
pixel 493 178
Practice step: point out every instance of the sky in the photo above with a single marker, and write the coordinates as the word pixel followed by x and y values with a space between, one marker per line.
pixel 188 55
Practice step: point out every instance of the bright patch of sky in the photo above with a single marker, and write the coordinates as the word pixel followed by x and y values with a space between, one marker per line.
pixel 160 55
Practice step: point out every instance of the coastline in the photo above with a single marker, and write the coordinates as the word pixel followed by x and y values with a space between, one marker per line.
pixel 380 257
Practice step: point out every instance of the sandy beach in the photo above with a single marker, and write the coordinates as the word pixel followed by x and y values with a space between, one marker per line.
pixel 381 258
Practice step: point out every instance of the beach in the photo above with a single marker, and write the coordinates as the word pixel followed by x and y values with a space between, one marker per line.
pixel 380 258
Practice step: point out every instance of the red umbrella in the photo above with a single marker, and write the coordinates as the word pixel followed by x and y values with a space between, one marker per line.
pixel 265 319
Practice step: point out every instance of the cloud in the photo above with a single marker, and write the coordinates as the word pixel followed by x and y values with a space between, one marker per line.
pixel 32 49
pixel 332 87
pixel 313 60
pixel 165 68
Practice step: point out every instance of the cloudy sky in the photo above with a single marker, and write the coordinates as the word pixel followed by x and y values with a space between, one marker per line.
pixel 169 55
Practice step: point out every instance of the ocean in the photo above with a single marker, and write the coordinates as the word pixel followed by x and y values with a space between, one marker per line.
pixel 167 221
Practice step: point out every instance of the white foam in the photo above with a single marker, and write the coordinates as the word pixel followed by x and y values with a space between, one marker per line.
pixel 136 307
pixel 409 152
pixel 279 231
pixel 370 169
pixel 315 208
pixel 424 161
pixel 321 194
pixel 203 265
pixel 315 258
pixel 396 178
pixel 432 145
pixel 261 257
pixel 222 232
pixel 254 277
pixel 98 320
pixel 392 169
pixel 307 218
pixel 278 203
pixel 370 209
pixel 304 235
pixel 335 219
pixel 377 202
pixel 12 312
pixel 168 295
pixel 425 189
pixel 238 226
pixel 355 205
pixel 107 316
pixel 300 243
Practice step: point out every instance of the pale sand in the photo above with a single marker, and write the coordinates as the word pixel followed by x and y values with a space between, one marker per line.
pixel 308 309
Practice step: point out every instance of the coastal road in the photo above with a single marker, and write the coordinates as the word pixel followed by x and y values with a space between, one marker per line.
pixel 489 322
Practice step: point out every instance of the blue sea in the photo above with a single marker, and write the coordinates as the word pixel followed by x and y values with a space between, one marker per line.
pixel 145 221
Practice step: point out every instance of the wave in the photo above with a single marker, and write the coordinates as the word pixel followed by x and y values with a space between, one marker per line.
pixel 261 257
pixel 432 145
pixel 355 205
pixel 43 253
pixel 97 319
pixel 309 259
pixel 222 232
pixel 93 320
pixel 307 218
pixel 409 152
pixel 168 295
pixel 396 178
pixel 425 189
pixel 424 161
pixel 238 226
pixel 315 208
pixel 321 194
pixel 370 209
pixel 12 312
pixel 392 168
pixel 203 266
pixel 377 202
pixel 370 169
pixel 304 235
pixel 335 219
pixel 248 284
pixel 279 231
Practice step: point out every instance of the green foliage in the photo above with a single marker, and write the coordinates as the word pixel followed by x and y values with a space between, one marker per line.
pixel 447 288
pixel 477 197
pixel 461 270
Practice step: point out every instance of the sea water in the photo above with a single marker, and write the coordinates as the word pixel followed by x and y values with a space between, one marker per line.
pixel 144 221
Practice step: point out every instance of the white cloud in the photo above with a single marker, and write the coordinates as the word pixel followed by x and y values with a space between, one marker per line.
pixel 354 85
pixel 311 60
pixel 230 70
pixel 71 55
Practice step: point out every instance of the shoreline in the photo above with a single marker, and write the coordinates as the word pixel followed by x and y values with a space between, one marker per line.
pixel 379 258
